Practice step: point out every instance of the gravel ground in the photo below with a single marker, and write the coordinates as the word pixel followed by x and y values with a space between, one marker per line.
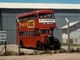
pixel 14 47
pixel 63 56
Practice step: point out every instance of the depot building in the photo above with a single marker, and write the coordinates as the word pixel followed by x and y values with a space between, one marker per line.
pixel 9 12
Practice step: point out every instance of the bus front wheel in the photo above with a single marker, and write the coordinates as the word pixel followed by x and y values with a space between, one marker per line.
pixel 21 44
pixel 39 45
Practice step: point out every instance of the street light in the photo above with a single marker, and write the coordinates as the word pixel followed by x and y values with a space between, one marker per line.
pixel 68 34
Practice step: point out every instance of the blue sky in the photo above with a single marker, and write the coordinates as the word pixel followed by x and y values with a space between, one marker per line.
pixel 43 1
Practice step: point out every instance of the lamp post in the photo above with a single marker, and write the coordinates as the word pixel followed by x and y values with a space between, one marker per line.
pixel 18 36
pixel 68 34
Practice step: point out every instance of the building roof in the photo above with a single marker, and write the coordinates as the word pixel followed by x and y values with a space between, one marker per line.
pixel 71 24
pixel 39 5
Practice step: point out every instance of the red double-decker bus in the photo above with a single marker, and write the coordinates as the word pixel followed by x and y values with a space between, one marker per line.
pixel 36 30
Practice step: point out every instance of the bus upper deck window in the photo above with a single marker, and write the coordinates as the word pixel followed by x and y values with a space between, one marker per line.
pixel 22 18
pixel 31 17
pixel 44 16
pixel 52 15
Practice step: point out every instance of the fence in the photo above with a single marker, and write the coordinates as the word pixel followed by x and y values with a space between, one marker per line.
pixel 3 41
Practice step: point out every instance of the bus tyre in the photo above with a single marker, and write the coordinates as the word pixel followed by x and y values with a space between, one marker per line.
pixel 57 44
pixel 54 43
pixel 21 44
pixel 40 46
pixel 51 47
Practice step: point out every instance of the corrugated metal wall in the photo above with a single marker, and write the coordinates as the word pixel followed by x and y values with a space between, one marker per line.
pixel 72 15
pixel 9 22
pixel 60 15
pixel 8 17
pixel 0 20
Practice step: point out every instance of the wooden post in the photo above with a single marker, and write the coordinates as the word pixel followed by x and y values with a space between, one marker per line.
pixel 18 36
pixel 68 38
pixel 18 41
pixel 5 47
pixel 68 33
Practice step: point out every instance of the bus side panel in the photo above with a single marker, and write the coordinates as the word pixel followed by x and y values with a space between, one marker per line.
pixel 29 41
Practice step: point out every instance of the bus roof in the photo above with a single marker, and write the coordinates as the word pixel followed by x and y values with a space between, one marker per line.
pixel 34 13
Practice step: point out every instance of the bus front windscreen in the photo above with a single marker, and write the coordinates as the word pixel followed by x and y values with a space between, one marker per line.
pixel 44 31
